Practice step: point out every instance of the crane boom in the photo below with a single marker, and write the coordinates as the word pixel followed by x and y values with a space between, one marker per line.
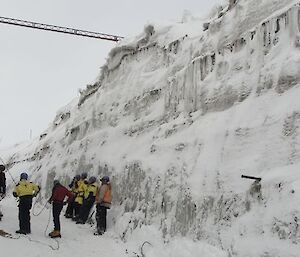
pixel 77 32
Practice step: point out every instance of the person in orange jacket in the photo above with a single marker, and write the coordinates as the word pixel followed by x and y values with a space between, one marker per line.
pixel 103 202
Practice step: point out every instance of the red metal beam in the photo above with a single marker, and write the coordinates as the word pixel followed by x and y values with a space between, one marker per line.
pixel 76 32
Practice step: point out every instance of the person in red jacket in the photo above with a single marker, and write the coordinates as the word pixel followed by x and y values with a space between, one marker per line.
pixel 59 193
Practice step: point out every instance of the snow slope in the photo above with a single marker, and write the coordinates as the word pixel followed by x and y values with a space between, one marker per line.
pixel 177 115
pixel 78 240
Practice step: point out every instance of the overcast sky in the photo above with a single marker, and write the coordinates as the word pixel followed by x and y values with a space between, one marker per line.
pixel 42 71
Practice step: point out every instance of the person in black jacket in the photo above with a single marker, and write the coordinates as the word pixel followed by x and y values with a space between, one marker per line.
pixel 2 185
pixel 2 180
pixel 70 211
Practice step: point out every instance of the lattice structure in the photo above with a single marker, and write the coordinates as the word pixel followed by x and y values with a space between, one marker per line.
pixel 77 32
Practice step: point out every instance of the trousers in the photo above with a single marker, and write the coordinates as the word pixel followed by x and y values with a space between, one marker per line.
pixel 101 218
pixel 56 210
pixel 25 205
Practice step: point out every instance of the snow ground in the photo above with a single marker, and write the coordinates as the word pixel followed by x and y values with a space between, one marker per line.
pixel 78 240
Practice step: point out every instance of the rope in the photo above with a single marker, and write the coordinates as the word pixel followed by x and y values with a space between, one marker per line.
pixel 49 218
pixel 33 208
pixel 7 170
pixel 45 233
pixel 42 243
pixel 35 214
pixel 142 252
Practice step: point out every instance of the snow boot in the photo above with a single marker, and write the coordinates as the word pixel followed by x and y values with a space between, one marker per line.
pixel 99 233
pixel 68 216
pixel 54 234
pixel 75 218
pixel 23 232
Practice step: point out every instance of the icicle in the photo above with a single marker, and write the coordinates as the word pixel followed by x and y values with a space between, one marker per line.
pixel 294 23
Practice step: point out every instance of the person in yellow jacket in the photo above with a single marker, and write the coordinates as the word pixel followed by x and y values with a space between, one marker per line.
pixel 89 200
pixel 25 190
pixel 103 202
pixel 79 192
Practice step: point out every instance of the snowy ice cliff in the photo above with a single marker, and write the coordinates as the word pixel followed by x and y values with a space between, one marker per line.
pixel 177 115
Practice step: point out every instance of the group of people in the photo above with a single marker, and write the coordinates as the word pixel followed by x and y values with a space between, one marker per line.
pixel 81 197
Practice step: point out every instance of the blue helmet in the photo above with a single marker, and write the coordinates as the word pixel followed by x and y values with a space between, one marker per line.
pixel 105 179
pixel 24 175
pixel 77 177
pixel 83 175
pixel 92 179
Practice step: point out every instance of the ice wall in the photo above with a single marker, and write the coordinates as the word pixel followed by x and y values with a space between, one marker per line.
pixel 178 115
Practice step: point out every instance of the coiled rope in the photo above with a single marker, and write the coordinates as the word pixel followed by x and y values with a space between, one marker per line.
pixel 141 249
pixel 45 231
pixel 33 208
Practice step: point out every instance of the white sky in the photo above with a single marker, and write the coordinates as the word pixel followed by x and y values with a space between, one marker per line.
pixel 42 71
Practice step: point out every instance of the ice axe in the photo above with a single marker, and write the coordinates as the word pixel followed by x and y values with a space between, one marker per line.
pixel 251 177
